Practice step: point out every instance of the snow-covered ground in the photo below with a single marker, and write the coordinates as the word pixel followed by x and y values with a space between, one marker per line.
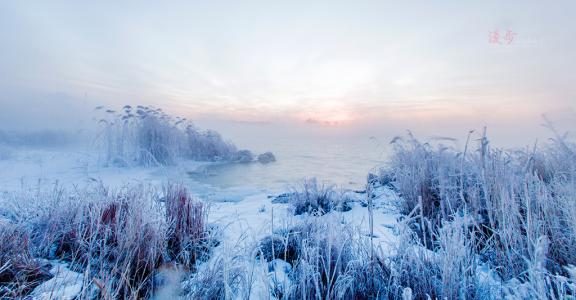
pixel 69 168
pixel 243 216
pixel 65 285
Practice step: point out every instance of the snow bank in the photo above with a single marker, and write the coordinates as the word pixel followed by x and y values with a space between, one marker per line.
pixel 65 285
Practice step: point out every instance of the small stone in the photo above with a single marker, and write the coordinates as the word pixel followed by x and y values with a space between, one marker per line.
pixel 266 157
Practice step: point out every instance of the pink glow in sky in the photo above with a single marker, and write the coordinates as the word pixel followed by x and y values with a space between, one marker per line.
pixel 344 63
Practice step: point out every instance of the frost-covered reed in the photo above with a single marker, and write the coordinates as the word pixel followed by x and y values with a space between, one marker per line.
pixel 146 136
pixel 328 260
pixel 513 211
pixel 314 197
pixel 120 240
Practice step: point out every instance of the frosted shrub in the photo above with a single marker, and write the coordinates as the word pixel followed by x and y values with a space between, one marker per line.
pixel 448 271
pixel 207 145
pixel 148 136
pixel 226 276
pixel 511 201
pixel 20 273
pixel 415 269
pixel 457 261
pixel 119 239
pixel 284 245
pixel 329 261
pixel 312 197
pixel 187 239
pixel 335 263
pixel 156 138
pixel 421 171
pixel 244 156
pixel 113 239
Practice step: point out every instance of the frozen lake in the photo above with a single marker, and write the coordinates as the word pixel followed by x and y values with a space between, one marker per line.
pixel 344 162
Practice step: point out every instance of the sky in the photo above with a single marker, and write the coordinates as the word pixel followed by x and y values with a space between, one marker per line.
pixel 333 66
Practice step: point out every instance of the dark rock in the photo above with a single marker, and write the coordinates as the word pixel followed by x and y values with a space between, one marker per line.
pixel 266 157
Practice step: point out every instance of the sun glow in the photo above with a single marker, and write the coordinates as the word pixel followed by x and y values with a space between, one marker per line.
pixel 330 118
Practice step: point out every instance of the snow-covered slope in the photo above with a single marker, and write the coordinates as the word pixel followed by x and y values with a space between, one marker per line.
pixel 240 217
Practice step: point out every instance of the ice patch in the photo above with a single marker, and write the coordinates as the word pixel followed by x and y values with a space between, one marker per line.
pixel 65 284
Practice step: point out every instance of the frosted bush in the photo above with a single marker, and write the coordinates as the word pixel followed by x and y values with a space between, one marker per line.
pixel 512 201
pixel 244 156
pixel 225 276
pixel 118 239
pixel 309 196
pixel 20 272
pixel 147 136
pixel 329 260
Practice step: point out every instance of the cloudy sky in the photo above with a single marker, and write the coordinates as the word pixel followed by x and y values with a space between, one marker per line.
pixel 345 63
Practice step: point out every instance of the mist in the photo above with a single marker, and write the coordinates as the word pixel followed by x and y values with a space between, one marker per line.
pixel 287 149
pixel 349 71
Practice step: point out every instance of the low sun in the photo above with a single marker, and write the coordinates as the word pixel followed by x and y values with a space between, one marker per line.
pixel 330 118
